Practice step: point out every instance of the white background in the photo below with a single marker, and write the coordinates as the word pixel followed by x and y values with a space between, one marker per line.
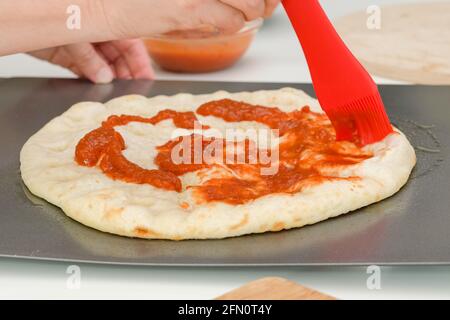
pixel 274 57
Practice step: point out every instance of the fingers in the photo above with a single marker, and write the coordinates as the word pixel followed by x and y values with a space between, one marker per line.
pixel 58 56
pixel 271 5
pixel 87 61
pixel 102 62
pixel 215 13
pixel 115 60
pixel 251 9
pixel 129 58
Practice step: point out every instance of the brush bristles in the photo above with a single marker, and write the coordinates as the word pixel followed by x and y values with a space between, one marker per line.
pixel 367 115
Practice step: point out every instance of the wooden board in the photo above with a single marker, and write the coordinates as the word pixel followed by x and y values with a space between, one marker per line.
pixel 412 43
pixel 274 289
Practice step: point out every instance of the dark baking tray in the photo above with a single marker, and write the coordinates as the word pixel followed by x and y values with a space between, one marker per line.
pixel 412 227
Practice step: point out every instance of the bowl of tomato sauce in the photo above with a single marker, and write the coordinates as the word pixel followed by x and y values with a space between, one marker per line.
pixel 201 50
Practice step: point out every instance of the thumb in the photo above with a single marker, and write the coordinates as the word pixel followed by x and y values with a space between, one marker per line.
pixel 90 63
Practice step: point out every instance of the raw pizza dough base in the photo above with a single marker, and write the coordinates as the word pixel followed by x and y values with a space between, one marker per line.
pixel 90 197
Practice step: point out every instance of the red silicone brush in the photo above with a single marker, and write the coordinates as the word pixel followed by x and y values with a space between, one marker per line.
pixel 344 88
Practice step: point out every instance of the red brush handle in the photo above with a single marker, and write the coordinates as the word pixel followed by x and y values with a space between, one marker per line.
pixel 344 88
pixel 330 62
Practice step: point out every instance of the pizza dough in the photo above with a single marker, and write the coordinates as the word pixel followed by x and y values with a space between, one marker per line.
pixel 87 195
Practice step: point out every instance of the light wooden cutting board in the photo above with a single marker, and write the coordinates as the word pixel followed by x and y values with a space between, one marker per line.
pixel 274 288
pixel 412 43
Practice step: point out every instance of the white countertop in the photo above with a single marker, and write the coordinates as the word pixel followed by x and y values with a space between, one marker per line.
pixel 274 57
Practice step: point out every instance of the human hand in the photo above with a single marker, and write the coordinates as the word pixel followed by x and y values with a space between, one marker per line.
pixel 128 59
pixel 102 62
pixel 140 18
pixel 23 30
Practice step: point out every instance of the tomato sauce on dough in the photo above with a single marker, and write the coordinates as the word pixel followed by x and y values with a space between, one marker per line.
pixel 308 153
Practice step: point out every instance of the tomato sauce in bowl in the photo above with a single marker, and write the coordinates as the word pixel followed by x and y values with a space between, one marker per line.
pixel 197 51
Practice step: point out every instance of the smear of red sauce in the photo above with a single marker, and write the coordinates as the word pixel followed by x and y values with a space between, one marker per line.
pixel 104 146
pixel 307 151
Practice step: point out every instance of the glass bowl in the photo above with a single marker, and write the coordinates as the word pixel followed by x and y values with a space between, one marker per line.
pixel 200 50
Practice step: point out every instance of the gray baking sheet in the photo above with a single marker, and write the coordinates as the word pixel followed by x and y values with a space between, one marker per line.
pixel 412 227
